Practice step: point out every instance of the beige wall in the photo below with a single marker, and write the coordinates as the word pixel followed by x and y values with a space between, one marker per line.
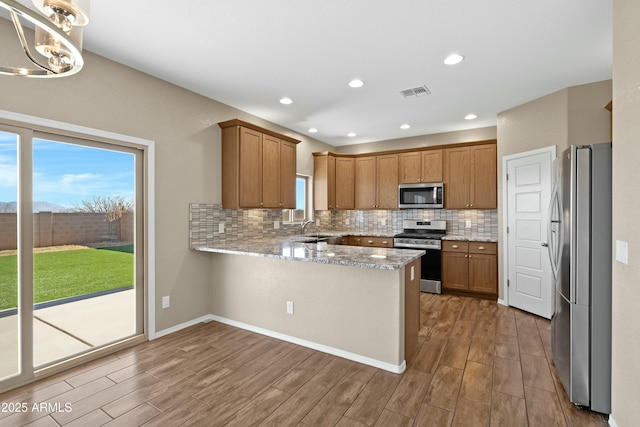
pixel 359 310
pixel 470 135
pixel 574 115
pixel 108 96
pixel 626 205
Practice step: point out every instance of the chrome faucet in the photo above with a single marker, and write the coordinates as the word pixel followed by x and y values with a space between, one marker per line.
pixel 305 223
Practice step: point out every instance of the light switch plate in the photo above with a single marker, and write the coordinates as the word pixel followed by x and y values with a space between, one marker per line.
pixel 166 301
pixel 221 228
pixel 276 225
pixel 289 307
pixel 383 222
pixel 622 251
pixel 467 223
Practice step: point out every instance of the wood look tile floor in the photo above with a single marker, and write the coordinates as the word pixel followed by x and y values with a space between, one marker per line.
pixel 477 364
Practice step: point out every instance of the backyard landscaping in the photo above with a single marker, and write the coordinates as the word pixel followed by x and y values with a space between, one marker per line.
pixel 66 273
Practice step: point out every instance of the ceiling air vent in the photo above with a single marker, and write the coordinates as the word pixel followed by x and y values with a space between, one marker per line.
pixel 416 91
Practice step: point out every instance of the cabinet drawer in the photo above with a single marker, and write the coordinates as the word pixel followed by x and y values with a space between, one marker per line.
pixel 488 248
pixel 378 242
pixel 455 246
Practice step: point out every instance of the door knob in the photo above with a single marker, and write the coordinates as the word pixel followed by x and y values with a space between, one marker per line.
pixel 546 245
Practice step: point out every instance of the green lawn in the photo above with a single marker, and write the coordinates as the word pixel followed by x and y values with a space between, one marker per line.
pixel 68 273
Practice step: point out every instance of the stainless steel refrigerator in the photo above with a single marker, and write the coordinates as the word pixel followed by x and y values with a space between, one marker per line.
pixel 579 243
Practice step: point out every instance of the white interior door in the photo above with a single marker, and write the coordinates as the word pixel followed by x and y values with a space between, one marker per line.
pixel 528 191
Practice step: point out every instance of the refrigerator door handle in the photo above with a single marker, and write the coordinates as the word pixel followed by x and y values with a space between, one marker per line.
pixel 552 245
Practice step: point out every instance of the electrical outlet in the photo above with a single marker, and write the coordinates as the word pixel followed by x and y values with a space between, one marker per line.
pixel 276 225
pixel 346 221
pixel 289 307
pixel 383 222
pixel 221 228
pixel 622 251
pixel 467 224
pixel 317 222
pixel 166 302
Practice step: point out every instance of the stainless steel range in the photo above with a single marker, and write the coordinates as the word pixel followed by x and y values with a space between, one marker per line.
pixel 426 235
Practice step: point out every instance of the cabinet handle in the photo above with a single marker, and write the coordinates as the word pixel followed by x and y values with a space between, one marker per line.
pixel 469 256
pixel 455 246
pixel 466 256
pixel 370 242
pixel 481 248
pixel 471 205
pixel 384 242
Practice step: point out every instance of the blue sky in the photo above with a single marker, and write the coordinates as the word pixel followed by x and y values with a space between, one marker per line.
pixel 66 174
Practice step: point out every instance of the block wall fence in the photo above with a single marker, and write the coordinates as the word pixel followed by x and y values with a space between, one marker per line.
pixel 76 228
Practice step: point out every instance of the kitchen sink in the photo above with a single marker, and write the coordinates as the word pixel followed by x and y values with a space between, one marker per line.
pixel 330 239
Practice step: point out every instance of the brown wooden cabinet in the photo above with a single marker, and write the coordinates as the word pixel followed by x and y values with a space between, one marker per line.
pixel 371 241
pixel 471 177
pixel 420 166
pixel 333 182
pixel 377 182
pixel 470 267
pixel 258 167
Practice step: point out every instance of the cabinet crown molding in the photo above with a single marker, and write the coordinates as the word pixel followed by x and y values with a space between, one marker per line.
pixel 238 122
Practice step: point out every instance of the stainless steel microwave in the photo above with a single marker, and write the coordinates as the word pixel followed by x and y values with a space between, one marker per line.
pixel 421 196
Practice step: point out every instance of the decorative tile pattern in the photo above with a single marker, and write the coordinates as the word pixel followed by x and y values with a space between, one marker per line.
pixel 204 220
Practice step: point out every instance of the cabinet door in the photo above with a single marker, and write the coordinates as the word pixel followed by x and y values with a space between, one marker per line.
pixel 345 183
pixel 410 167
pixel 387 182
pixel 483 273
pixel 250 169
pixel 457 181
pixel 287 175
pixel 366 182
pixel 483 194
pixel 455 270
pixel 432 166
pixel 270 172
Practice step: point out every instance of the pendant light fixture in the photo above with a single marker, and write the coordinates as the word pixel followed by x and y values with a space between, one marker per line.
pixel 58 36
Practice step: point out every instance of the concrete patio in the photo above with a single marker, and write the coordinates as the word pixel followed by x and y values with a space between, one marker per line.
pixel 67 329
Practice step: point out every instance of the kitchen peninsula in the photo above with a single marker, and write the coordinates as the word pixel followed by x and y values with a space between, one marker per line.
pixel 359 303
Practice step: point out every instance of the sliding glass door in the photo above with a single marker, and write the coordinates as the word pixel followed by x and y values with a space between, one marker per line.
pixel 9 324
pixel 71 249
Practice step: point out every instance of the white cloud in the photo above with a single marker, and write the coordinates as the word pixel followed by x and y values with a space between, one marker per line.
pixel 72 179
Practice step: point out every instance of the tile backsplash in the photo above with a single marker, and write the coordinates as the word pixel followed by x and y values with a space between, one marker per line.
pixel 204 220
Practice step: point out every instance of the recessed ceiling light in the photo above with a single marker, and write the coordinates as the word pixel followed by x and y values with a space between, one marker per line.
pixel 453 59
pixel 313 130
pixel 286 101
pixel 405 126
pixel 351 134
pixel 470 117
pixel 356 83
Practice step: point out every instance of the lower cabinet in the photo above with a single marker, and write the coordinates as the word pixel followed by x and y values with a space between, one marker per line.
pixel 373 241
pixel 470 267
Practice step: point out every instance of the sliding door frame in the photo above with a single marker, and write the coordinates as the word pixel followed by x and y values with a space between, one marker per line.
pixel 26 127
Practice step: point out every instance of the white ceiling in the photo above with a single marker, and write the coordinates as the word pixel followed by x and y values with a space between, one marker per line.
pixel 250 53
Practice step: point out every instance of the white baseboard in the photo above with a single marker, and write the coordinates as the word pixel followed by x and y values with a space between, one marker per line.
pixel 612 422
pixel 181 326
pixel 396 369
pixel 502 302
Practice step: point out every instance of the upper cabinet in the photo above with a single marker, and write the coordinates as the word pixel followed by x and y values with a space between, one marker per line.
pixel 420 166
pixel 377 182
pixel 333 181
pixel 258 167
pixel 471 177
pixel 370 181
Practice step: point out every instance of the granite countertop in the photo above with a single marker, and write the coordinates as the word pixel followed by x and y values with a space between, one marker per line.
pixel 353 256
pixel 471 237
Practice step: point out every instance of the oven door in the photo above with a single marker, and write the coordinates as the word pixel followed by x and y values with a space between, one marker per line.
pixel 431 275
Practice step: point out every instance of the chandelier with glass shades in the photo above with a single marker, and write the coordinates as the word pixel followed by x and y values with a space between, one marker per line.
pixel 58 36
